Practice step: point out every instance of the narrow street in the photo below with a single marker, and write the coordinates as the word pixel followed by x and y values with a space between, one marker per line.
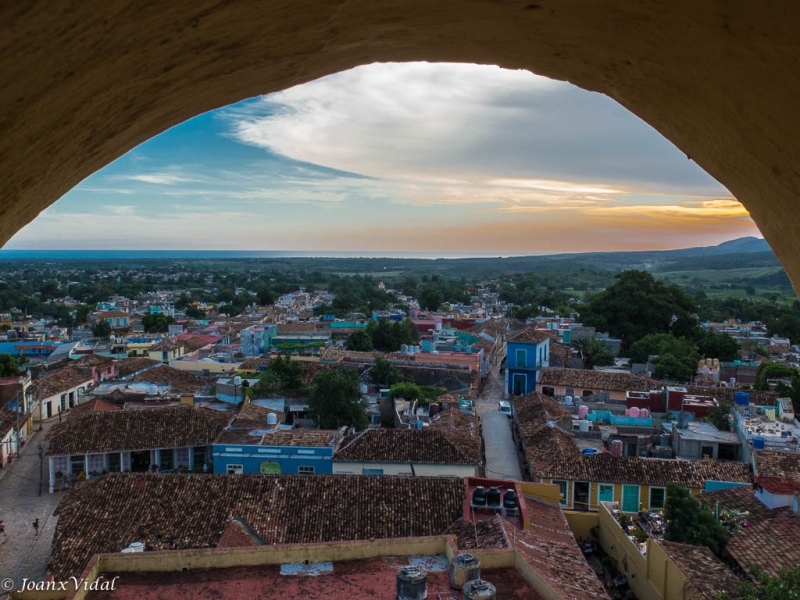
pixel 501 453
pixel 22 553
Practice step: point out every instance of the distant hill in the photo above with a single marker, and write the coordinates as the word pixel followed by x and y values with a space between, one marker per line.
pixel 743 245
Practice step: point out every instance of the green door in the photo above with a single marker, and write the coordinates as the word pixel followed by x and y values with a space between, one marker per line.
pixel 520 384
pixel 630 498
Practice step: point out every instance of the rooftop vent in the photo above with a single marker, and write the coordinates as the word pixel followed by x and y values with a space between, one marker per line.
pixel 412 584
pixel 479 589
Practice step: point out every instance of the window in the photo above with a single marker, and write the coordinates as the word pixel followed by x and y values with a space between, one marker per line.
pixel 167 458
pixel 199 456
pixel 97 463
pixel 658 497
pixel 569 392
pixel 305 470
pixel 63 402
pixel 562 486
pixel 372 471
pixel 60 464
pixel 114 462
pixel 522 357
pixel 48 409
pixel 605 492
pixel 235 469
pixel 77 463
pixel 182 458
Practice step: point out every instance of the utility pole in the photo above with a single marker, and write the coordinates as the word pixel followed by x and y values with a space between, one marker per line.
pixel 41 467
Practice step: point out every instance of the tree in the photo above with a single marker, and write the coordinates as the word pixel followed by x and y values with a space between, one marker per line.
pixel 718 345
pixel 82 312
pixel 431 298
pixel 265 297
pixel 786 586
pixel 194 312
pixel 183 302
pixel 288 373
pixel 157 323
pixel 335 400
pixel 594 352
pixel 688 522
pixel 637 304
pixel 676 357
pixel 9 367
pixel 421 393
pixel 389 336
pixel 359 341
pixel 384 373
pixel 718 416
pixel 101 328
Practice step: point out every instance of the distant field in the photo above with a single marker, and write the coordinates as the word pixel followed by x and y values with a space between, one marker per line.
pixel 715 276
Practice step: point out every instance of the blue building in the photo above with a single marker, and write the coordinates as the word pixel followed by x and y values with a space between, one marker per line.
pixel 275 449
pixel 527 352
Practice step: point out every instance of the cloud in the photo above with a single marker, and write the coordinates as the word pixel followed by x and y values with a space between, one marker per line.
pixel 159 178
pixel 465 122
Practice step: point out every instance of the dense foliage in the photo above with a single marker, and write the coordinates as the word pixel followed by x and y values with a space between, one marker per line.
pixel 594 353
pixel 384 373
pixel 335 400
pixel 383 335
pixel 9 366
pixel 760 586
pixel 688 522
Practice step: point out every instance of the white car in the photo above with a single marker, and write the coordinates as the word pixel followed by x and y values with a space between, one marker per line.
pixel 505 408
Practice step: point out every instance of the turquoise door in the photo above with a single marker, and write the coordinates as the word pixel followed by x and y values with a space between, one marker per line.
pixel 630 498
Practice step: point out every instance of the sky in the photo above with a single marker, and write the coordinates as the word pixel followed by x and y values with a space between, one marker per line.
pixel 413 157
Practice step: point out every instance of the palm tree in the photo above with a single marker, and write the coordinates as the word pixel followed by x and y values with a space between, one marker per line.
pixel 594 352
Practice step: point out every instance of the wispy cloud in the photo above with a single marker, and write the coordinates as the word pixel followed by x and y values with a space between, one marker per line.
pixel 159 178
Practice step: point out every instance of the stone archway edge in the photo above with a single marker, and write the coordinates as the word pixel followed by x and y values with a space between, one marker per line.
pixel 85 81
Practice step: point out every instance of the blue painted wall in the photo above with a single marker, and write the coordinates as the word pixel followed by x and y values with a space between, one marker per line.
pixel 289 458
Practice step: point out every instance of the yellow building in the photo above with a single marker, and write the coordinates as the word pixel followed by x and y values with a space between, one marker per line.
pixel 166 350
pixel 660 570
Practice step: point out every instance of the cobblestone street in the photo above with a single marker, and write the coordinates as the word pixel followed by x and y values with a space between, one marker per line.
pixel 501 453
pixel 23 554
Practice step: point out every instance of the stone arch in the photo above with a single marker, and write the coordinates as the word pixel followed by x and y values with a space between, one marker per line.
pixel 84 82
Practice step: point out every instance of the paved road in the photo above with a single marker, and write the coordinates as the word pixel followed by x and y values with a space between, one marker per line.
pixel 501 453
pixel 21 552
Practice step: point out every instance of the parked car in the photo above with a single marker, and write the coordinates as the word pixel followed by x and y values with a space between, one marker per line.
pixel 505 408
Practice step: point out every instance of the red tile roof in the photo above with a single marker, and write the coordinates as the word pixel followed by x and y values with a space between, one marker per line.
pixel 530 335
pixel 742 498
pixel 595 380
pixel 462 430
pixel 59 382
pixel 779 485
pixel 94 405
pixel 772 545
pixel 706 573
pixel 179 381
pixel 421 446
pixel 173 512
pixel 128 366
pixel 127 430
pixel 8 420
pixel 777 463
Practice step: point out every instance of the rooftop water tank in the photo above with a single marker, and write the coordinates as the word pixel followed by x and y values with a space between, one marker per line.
pixel 635 411
pixel 584 426
pixel 479 496
pixel 479 589
pixel 463 568
pixel 272 419
pixel 583 411
pixel 510 501
pixel 643 412
pixel 741 398
pixel 589 451
pixel 568 400
pixel 412 583
pixel 493 496
pixel 627 412
pixel 758 443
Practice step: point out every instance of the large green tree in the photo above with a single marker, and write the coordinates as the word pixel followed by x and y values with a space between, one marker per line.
pixel 594 353
pixel 335 400
pixel 688 522
pixel 157 323
pixel 675 357
pixel 384 373
pixel 359 341
pixel 101 328
pixel 717 345
pixel 761 586
pixel 9 366
pixel 637 304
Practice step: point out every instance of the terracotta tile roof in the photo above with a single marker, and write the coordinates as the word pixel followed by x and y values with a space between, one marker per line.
pixel 173 512
pixel 179 381
pixel 785 486
pixel 165 345
pixel 559 350
pixel 772 545
pixel 551 550
pixel 238 535
pixel 707 573
pixel 192 344
pixel 105 314
pixel 300 437
pixel 480 536
pixel 777 463
pixel 296 327
pixel 117 431
pixel 8 420
pixel 59 382
pixel 726 394
pixel 595 380
pixel 251 411
pixel 421 446
pixel 253 364
pixel 128 366
pixel 491 327
pixel 743 498
pixel 92 406
pixel 91 360
pixel 530 335
pixel 462 430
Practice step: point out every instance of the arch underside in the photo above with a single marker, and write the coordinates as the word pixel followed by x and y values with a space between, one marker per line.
pixel 84 82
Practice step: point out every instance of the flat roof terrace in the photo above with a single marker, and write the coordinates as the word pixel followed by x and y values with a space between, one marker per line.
pixel 367 579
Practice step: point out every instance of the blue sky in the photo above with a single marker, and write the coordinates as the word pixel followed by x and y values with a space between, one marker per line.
pixel 401 157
